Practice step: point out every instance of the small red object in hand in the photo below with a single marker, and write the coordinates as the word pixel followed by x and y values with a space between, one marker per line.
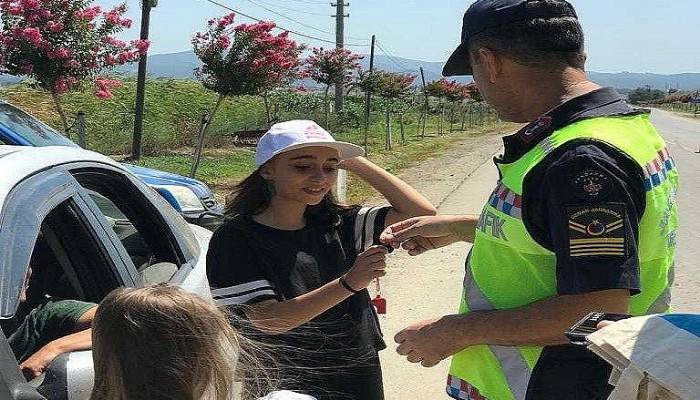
pixel 379 302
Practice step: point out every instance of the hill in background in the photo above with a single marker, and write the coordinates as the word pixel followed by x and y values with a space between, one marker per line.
pixel 181 65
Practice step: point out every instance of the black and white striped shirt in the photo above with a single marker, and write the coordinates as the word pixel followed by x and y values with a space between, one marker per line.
pixel 249 262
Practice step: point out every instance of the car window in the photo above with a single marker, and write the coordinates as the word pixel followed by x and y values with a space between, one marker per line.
pixel 141 229
pixel 31 129
pixel 73 241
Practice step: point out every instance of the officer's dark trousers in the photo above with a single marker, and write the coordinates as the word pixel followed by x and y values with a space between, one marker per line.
pixel 569 373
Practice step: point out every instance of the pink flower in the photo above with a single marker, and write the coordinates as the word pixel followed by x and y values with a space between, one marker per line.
pixel 60 53
pixel 34 18
pixel 127 56
pixel 141 45
pixel 88 14
pixel 15 9
pixel 114 42
pixel 226 20
pixel 110 60
pixel 103 87
pixel 55 26
pixel 30 4
pixel 63 84
pixel 106 83
pixel 224 42
pixel 73 64
pixel 112 17
pixel 103 94
pixel 33 35
pixel 126 23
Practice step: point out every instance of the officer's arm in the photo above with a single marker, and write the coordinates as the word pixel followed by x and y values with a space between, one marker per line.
pixel 541 323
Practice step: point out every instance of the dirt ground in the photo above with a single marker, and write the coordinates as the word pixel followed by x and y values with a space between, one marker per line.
pixel 430 285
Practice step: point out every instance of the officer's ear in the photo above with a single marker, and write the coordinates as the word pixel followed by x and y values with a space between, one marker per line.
pixel 490 63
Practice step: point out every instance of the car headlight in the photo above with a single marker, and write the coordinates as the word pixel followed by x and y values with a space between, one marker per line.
pixel 185 197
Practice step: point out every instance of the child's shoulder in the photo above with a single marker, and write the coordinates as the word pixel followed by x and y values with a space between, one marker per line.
pixel 235 228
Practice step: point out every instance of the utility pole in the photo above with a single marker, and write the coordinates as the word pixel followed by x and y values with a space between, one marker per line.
pixel 426 105
pixel 368 95
pixel 339 43
pixel 137 145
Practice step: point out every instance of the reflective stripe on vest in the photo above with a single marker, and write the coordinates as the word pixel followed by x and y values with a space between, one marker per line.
pixel 507 268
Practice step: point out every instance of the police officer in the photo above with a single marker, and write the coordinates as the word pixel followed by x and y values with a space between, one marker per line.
pixel 583 217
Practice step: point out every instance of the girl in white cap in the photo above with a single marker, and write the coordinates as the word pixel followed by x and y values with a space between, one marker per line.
pixel 296 264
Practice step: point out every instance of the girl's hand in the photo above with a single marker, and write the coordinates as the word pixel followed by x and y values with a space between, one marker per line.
pixel 369 265
pixel 350 163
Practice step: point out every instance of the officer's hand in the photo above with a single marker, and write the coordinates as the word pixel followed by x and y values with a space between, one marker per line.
pixel 431 341
pixel 420 234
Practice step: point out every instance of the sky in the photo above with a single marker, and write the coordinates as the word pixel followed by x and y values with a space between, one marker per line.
pixel 657 36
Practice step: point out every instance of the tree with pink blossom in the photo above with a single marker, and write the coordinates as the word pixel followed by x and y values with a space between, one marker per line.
pixel 335 67
pixel 453 92
pixel 64 45
pixel 246 59
pixel 393 87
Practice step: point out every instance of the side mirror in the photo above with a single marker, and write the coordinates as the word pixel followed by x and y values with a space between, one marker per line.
pixel 69 377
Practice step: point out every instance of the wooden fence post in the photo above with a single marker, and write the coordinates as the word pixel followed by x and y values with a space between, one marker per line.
pixel 200 144
pixel 82 127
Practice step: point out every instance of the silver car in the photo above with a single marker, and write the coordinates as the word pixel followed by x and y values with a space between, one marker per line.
pixel 96 227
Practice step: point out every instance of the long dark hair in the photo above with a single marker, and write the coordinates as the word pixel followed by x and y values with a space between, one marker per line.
pixel 253 195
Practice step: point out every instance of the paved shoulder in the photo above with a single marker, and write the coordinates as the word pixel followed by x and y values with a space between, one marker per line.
pixel 683 138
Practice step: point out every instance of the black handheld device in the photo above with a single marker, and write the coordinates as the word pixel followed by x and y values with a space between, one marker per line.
pixel 589 324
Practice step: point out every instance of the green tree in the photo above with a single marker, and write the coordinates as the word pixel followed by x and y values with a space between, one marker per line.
pixel 645 95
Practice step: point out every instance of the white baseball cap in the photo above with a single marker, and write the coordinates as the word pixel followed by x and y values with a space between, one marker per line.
pixel 297 134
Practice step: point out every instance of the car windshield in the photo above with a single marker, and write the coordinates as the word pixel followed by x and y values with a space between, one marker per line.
pixel 29 128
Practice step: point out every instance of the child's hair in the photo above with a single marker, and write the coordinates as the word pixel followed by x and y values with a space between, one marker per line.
pixel 160 342
pixel 253 194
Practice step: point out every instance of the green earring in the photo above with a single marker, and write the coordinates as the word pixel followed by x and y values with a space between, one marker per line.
pixel 271 191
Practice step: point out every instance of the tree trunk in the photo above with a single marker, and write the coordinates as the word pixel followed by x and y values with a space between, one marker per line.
pixel 442 119
pixel 202 133
pixel 387 144
pixel 471 116
pixel 401 122
pixel 59 108
pixel 452 116
pixel 268 113
pixel 327 107
pixel 426 113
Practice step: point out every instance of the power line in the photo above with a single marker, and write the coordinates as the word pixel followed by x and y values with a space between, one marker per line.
pixel 279 27
pixel 289 18
pixel 393 59
pixel 309 2
pixel 292 9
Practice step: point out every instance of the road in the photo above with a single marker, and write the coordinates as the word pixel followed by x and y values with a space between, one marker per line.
pixel 430 285
pixel 683 139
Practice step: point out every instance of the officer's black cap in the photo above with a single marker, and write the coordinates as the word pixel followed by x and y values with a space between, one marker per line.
pixel 485 14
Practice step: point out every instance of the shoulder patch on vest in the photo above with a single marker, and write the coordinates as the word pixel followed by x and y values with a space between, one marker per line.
pixel 597 230
pixel 591 185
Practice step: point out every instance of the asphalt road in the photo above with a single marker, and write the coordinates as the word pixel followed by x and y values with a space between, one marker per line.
pixel 683 139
